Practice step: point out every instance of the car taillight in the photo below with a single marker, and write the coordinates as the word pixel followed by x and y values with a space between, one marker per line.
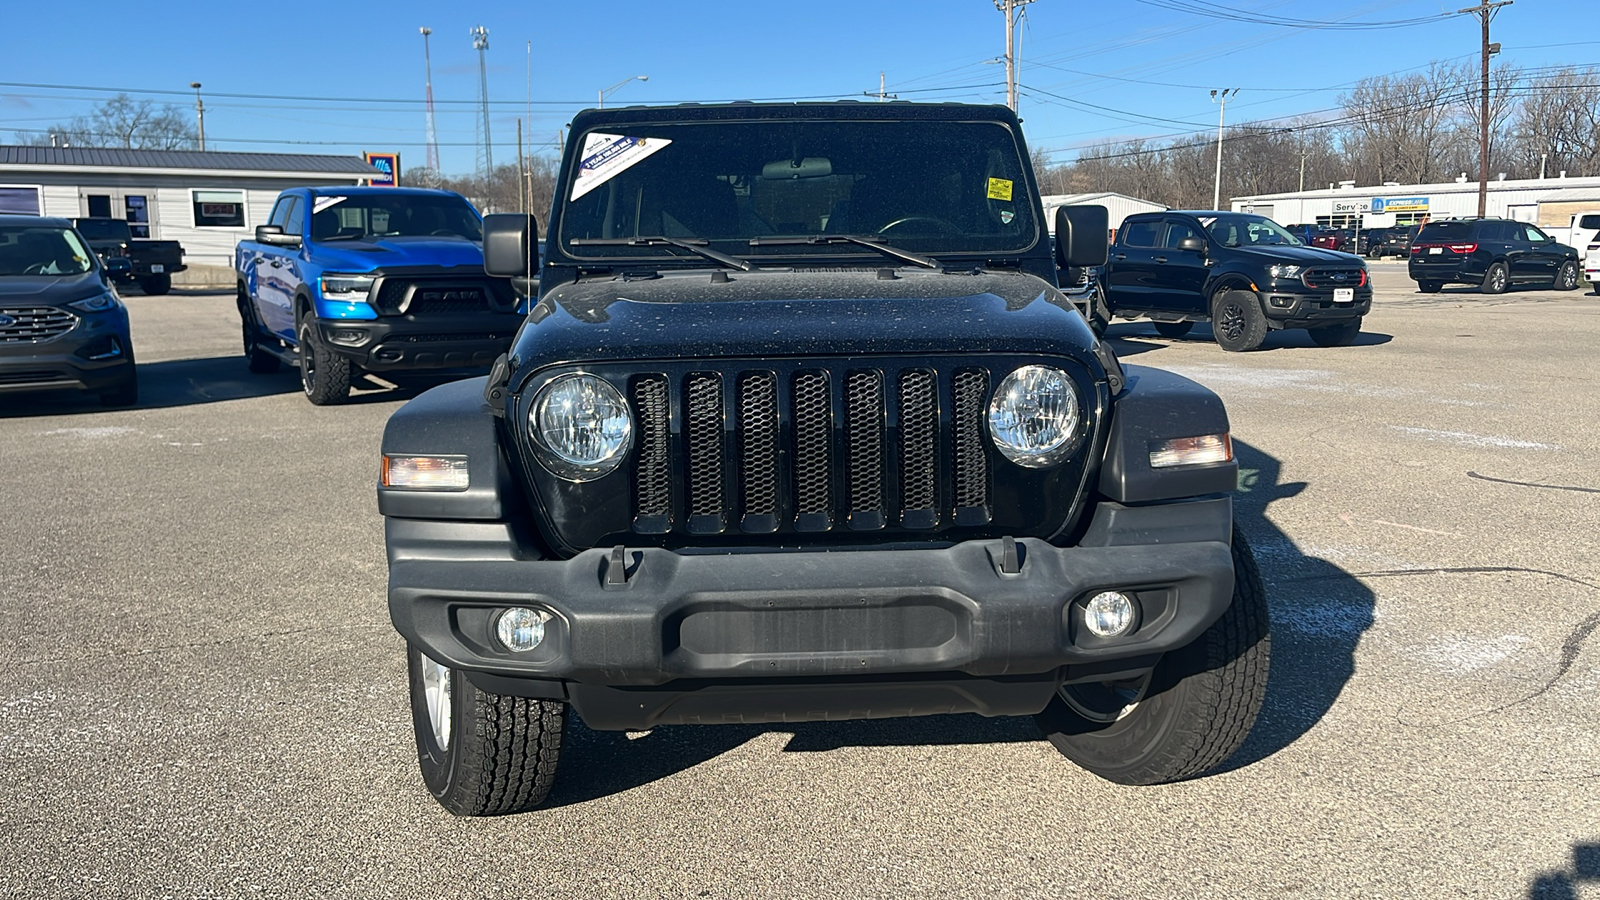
pixel 1463 248
pixel 1418 248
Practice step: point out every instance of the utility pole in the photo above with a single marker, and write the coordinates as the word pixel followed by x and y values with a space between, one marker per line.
pixel 1222 98
pixel 431 136
pixel 881 94
pixel 200 112
pixel 1302 167
pixel 1485 11
pixel 1011 8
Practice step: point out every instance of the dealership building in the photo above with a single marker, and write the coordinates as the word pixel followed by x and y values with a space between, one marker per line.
pixel 207 201
pixel 1549 203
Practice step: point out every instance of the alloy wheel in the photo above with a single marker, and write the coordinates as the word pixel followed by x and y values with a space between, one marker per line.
pixel 1231 322
pixel 436 692
pixel 1105 701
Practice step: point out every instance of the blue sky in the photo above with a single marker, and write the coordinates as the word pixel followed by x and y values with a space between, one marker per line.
pixel 1133 69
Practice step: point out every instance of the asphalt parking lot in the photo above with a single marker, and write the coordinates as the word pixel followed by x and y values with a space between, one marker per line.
pixel 202 696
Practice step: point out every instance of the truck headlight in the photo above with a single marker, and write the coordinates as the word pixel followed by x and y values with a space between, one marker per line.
pixel 348 288
pixel 1034 416
pixel 1285 271
pixel 581 427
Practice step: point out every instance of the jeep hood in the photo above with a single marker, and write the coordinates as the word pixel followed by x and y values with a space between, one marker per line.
pixel 783 313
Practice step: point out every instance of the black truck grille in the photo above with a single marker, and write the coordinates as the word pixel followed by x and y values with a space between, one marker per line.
pixel 810 448
pixel 1324 278
pixel 399 295
pixel 34 324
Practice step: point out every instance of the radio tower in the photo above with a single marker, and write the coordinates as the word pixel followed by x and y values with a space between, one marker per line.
pixel 480 43
pixel 432 134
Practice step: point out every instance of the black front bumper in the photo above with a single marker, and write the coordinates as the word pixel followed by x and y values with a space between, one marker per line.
pixel 678 636
pixel 1302 309
pixel 402 343
pixel 96 355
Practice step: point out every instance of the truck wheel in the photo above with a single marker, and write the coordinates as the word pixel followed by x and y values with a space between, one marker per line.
pixel 1173 330
pixel 260 360
pixel 1189 714
pixel 1496 280
pixel 1430 287
pixel 155 285
pixel 325 375
pixel 1567 278
pixel 482 754
pixel 1237 321
pixel 1339 335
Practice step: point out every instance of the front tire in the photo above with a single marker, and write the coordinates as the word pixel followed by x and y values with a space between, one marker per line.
pixel 1567 278
pixel 482 754
pixel 1173 330
pixel 1190 714
pixel 324 375
pixel 1099 316
pixel 1237 321
pixel 1497 279
pixel 1339 335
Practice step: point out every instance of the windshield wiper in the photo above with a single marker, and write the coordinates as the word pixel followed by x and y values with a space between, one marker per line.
pixel 873 242
pixel 697 245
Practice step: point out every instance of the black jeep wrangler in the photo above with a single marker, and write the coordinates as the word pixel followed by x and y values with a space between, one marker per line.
pixel 801 428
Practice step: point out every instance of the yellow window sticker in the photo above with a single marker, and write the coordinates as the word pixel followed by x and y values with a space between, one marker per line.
pixel 999 189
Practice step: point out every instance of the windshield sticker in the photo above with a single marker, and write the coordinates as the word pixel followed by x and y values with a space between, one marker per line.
pixel 999 189
pixel 1006 216
pixel 322 203
pixel 605 156
pixel 1208 221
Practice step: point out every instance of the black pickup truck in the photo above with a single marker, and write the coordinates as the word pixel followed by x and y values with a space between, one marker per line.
pixel 150 263
pixel 797 430
pixel 1243 273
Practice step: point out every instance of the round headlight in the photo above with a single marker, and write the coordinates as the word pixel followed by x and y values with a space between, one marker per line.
pixel 581 427
pixel 1033 418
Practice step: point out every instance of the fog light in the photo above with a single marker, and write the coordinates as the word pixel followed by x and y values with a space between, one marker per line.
pixel 1110 614
pixel 520 629
pixel 352 337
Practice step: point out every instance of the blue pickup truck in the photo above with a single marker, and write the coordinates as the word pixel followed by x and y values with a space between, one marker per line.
pixel 345 280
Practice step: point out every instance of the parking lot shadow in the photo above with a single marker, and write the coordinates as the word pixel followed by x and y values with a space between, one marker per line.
pixel 191 382
pixel 1319 612
pixel 1132 338
pixel 1564 885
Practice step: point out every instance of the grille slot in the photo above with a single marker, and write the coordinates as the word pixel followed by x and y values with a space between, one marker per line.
pixel 919 460
pixel 653 474
pixel 864 448
pixel 971 388
pixel 813 451
pixel 34 324
pixel 705 453
pixel 758 450
pixel 429 298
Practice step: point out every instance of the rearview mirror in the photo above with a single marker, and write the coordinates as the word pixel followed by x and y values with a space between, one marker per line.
pixel 508 250
pixel 785 169
pixel 274 236
pixel 1081 236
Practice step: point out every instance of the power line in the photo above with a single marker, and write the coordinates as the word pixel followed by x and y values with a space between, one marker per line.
pixel 1212 11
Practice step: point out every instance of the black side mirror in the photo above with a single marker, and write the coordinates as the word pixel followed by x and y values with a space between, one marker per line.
pixel 1081 236
pixel 1192 244
pixel 508 250
pixel 273 235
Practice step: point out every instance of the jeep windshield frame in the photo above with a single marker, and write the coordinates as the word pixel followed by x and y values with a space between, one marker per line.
pixel 786 189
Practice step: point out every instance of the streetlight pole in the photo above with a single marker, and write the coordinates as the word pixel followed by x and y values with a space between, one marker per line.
pixel 1222 98
pixel 600 99
pixel 200 112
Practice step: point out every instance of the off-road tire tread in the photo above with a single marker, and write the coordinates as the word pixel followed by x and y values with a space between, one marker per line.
pixel 518 746
pixel 1256 327
pixel 332 385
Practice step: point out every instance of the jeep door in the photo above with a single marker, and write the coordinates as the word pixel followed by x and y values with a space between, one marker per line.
pixel 1181 274
pixel 1131 281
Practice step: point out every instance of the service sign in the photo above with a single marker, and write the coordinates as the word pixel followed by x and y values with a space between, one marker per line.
pixel 1399 204
pixel 386 163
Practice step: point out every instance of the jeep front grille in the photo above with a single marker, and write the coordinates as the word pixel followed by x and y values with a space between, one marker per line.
pixel 34 324
pixel 810 449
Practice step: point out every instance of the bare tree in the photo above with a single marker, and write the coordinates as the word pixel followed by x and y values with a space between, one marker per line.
pixel 1560 117
pixel 125 122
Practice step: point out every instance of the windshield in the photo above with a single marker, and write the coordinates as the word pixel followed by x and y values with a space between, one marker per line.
pixel 1246 230
pixel 397 215
pixel 928 187
pixel 42 250
pixel 103 229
